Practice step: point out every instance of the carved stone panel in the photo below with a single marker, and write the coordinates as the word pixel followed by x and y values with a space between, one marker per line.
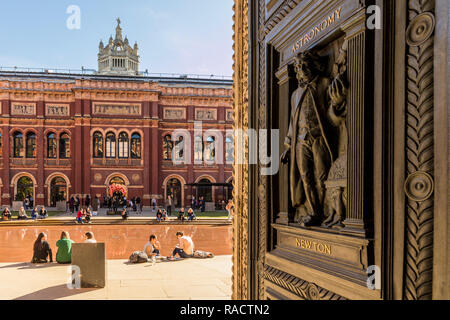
pixel 112 109
pixel 57 110
pixel 174 113
pixel 205 114
pixel 23 109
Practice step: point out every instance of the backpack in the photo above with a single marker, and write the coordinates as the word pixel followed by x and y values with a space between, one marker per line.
pixel 138 257
pixel 202 254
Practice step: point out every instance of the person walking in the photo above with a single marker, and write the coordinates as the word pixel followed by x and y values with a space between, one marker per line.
pixel 95 205
pixel 72 204
pixel 87 201
pixel 169 205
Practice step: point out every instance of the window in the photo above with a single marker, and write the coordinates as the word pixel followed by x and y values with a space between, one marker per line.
pixel 97 142
pixel 18 145
pixel 167 147
pixel 135 146
pixel 110 145
pixel 117 180
pixel 0 144
pixel 198 148
pixel 31 145
pixel 123 145
pixel 179 148
pixel 64 146
pixel 210 149
pixel 51 146
pixel 229 150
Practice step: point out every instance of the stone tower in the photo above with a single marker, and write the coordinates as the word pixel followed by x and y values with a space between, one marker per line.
pixel 118 57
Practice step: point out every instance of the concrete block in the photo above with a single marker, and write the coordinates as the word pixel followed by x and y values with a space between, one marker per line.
pixel 91 259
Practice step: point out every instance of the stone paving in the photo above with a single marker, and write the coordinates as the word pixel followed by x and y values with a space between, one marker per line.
pixel 190 279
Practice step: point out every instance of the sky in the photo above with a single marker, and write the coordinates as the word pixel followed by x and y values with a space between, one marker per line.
pixel 174 36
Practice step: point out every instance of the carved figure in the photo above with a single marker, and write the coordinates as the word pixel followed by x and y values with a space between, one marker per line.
pixel 312 144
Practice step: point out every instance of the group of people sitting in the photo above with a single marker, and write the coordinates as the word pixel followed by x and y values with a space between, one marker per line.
pixel 84 215
pixel 184 249
pixel 42 252
pixel 162 215
pixel 22 214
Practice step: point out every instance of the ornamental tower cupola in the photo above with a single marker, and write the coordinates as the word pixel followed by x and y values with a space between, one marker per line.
pixel 118 57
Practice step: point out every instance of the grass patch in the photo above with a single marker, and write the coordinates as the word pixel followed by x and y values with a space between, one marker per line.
pixel 212 214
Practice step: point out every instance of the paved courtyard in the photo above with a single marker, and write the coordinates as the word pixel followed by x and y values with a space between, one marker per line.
pixel 191 279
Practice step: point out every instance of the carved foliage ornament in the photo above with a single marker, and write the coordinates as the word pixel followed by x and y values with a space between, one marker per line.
pixel 418 268
pixel 303 289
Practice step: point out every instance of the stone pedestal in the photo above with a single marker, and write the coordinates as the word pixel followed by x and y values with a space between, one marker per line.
pixel 90 258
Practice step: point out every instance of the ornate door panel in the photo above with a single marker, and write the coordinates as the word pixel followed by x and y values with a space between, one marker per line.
pixel 351 212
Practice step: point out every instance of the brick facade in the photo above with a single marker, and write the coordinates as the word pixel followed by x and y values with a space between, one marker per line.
pixel 40 104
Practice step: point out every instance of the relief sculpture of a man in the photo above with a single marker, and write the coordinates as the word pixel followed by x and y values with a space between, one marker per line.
pixel 311 140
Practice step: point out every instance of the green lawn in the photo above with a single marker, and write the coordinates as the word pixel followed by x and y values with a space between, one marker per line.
pixel 211 214
pixel 14 214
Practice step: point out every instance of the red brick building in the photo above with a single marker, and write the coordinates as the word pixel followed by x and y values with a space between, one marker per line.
pixel 64 134
pixel 74 134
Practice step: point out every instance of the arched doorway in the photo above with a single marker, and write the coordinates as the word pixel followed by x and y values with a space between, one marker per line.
pixel 173 188
pixel 58 190
pixel 204 189
pixel 24 188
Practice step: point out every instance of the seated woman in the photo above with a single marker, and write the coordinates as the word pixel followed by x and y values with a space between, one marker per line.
pixel 6 215
pixel 124 214
pixel 22 214
pixel 164 215
pixel 90 237
pixel 41 250
pixel 64 244
pixel 42 213
pixel 34 213
pixel 88 216
pixel 191 214
pixel 181 215
pixel 159 215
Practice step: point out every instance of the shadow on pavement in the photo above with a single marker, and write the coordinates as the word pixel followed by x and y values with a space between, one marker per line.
pixel 53 293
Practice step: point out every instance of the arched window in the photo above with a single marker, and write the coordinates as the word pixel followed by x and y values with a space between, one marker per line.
pixel 205 190
pixel 210 149
pixel 198 148
pixel 123 145
pixel 135 146
pixel 167 147
pixel 51 146
pixel 117 180
pixel 97 143
pixel 18 145
pixel 31 145
pixel 173 189
pixel 110 145
pixel 25 188
pixel 229 149
pixel 64 146
pixel 179 148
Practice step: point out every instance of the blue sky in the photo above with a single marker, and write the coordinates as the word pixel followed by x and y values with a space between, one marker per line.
pixel 174 36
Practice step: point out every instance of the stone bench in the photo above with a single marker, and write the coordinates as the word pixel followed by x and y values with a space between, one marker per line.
pixel 91 261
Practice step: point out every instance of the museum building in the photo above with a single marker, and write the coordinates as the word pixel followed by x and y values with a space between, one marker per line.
pixel 67 133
